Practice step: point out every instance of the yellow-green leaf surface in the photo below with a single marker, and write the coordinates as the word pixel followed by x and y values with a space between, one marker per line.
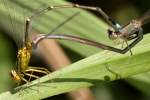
pixel 97 69
pixel 141 82
pixel 5 62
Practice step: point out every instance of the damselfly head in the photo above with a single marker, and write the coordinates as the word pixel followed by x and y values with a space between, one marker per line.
pixel 14 75
pixel 112 34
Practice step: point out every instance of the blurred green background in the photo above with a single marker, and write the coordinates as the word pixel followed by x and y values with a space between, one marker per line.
pixel 135 88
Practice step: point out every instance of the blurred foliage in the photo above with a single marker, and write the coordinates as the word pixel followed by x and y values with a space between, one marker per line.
pixel 6 62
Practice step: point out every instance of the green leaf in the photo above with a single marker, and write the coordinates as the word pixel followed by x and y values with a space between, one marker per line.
pixel 141 82
pixel 6 50
pixel 97 69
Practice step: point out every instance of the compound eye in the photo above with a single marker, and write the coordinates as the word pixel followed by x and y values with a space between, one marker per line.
pixel 12 73
pixel 110 34
pixel 109 31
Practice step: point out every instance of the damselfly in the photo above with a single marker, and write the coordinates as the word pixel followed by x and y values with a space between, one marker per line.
pixel 127 32
pixel 23 58
pixel 24 73
pixel 131 31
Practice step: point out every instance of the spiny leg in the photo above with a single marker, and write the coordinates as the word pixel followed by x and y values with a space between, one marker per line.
pixel 20 88
pixel 129 48
pixel 137 40
pixel 42 70
pixel 122 44
pixel 39 70
pixel 25 80
pixel 31 75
